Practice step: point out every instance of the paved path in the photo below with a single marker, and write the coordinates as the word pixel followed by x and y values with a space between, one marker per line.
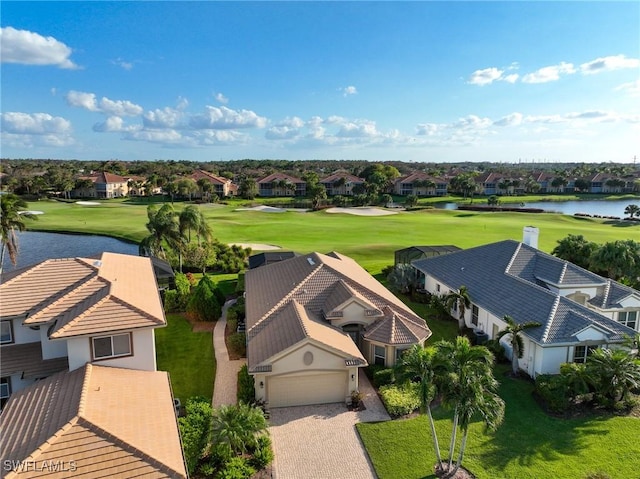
pixel 321 442
pixel 225 387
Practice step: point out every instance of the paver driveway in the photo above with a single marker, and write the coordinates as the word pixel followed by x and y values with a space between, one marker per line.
pixel 321 441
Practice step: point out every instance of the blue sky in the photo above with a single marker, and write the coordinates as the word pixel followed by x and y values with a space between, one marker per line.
pixel 414 81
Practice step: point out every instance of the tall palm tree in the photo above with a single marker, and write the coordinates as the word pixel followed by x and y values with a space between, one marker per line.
pixel 189 219
pixel 163 228
pixel 13 212
pixel 238 426
pixel 517 344
pixel 458 363
pixel 461 301
pixel 418 365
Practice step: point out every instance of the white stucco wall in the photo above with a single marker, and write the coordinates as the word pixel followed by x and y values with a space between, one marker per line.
pixel 144 352
pixel 591 334
pixel 548 360
pixel 353 313
pixel 24 334
pixel 52 349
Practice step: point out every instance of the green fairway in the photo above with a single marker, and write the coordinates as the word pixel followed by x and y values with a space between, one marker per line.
pixel 529 444
pixel 369 240
pixel 185 355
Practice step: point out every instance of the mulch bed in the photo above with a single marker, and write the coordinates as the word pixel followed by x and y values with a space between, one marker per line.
pixel 444 473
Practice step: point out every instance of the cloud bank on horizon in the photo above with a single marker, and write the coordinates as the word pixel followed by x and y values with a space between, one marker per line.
pixel 389 91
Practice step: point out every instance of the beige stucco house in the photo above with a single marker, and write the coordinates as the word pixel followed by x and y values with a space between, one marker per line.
pixel 313 320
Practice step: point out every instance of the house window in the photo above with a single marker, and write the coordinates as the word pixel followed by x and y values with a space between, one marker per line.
pixel 399 353
pixel 581 353
pixel 379 355
pixel 474 315
pixel 118 345
pixel 5 390
pixel 437 288
pixel 6 335
pixel 628 318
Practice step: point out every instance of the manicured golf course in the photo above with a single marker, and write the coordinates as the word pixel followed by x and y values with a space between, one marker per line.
pixel 370 240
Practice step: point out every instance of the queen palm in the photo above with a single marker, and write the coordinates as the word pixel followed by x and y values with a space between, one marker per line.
pixel 163 227
pixel 461 301
pixel 418 365
pixel 13 212
pixel 517 344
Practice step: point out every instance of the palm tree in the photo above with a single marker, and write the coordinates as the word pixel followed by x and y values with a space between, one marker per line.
pixel 632 210
pixel 461 301
pixel 418 365
pixel 191 218
pixel 517 344
pixel 238 426
pixel 163 227
pixel 458 363
pixel 13 212
pixel 617 371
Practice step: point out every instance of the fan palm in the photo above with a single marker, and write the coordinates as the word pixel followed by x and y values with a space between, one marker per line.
pixel 418 365
pixel 13 212
pixel 517 344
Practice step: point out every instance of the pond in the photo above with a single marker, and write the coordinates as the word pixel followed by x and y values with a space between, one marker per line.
pixel 591 207
pixel 34 247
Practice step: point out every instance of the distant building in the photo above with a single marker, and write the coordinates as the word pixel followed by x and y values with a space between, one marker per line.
pixel 223 187
pixel 280 184
pixel 341 183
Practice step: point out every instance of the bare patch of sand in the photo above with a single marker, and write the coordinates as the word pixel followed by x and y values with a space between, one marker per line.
pixel 258 246
pixel 87 203
pixel 364 211
pixel 30 212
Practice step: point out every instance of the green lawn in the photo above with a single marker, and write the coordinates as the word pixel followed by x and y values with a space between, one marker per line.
pixel 185 355
pixel 369 240
pixel 529 444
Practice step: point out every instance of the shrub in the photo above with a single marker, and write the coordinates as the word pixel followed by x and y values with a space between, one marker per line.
pixel 232 315
pixel 497 349
pixel 202 303
pixel 383 377
pixel 232 324
pixel 195 430
pixel 554 391
pixel 263 454
pixel 400 400
pixel 171 301
pixel 372 369
pixel 237 342
pixel 246 386
pixel 236 468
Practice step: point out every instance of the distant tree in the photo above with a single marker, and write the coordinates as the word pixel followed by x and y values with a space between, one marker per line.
pixel 317 193
pixel 493 200
pixel 617 259
pixel 410 201
pixel 575 249
pixel 13 210
pixel 248 188
pixel 186 187
pixel 402 278
pixel 632 210
pixel 514 330
pixel 582 185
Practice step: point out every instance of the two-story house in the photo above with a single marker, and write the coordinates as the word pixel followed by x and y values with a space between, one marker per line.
pixel 341 183
pixel 223 187
pixel 280 184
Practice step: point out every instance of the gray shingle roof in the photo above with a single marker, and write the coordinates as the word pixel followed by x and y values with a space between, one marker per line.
pixel 506 278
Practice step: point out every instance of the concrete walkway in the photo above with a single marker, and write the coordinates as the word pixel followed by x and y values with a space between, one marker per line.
pixel 321 441
pixel 225 387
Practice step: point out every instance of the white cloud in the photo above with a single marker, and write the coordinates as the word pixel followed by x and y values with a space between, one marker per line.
pixel 513 119
pixel 29 48
pixel 485 76
pixel 123 64
pixel 182 103
pixel 162 118
pixel 281 133
pixel 35 129
pixel 292 122
pixel 633 88
pixel 428 129
pixel 105 105
pixel 220 98
pixel 471 122
pixel 610 63
pixel 349 90
pixel 512 78
pixel 224 118
pixel 155 136
pixel 358 129
pixel 550 73
pixel 114 124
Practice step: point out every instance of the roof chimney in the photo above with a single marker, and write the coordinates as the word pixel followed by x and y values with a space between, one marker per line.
pixel 530 236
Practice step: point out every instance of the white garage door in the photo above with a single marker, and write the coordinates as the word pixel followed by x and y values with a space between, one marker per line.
pixel 312 389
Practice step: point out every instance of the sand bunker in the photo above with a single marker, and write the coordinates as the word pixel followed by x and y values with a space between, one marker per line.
pixel 257 246
pixel 272 209
pixel 87 203
pixel 30 212
pixel 364 211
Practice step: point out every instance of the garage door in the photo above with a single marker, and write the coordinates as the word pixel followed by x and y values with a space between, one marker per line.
pixel 312 389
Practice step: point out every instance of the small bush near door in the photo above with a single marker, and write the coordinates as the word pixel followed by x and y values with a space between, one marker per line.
pixel 246 388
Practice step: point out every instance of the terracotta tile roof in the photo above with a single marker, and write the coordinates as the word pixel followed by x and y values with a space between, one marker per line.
pixel 395 329
pixel 86 296
pixel 107 422
pixel 342 174
pixel 280 176
pixel 210 176
pixel 340 294
pixel 26 359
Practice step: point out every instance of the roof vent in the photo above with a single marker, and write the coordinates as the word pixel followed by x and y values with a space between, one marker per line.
pixel 97 263
pixel 310 261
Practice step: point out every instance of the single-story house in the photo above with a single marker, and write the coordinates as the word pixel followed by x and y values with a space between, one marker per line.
pixel 94 422
pixel 313 320
pixel 578 310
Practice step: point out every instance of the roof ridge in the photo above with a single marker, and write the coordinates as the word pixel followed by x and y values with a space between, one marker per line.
pixel 565 266
pixel 393 328
pixel 279 304
pixel 50 440
pixel 513 258
pixel 296 308
pixel 552 315
pixel 68 324
pixel 607 291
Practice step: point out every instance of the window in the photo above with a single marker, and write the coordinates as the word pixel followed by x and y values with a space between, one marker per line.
pixel 379 356
pixel 5 388
pixel 112 346
pixel 6 335
pixel 581 353
pixel 399 353
pixel 474 315
pixel 628 318
pixel 438 288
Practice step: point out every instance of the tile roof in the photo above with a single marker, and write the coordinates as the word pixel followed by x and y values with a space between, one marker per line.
pixel 339 175
pixel 106 421
pixel 507 278
pixel 280 176
pixel 26 359
pixel 85 296
pixel 210 176
pixel 315 283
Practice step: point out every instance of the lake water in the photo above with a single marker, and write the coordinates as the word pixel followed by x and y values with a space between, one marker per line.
pixel 592 207
pixel 34 247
